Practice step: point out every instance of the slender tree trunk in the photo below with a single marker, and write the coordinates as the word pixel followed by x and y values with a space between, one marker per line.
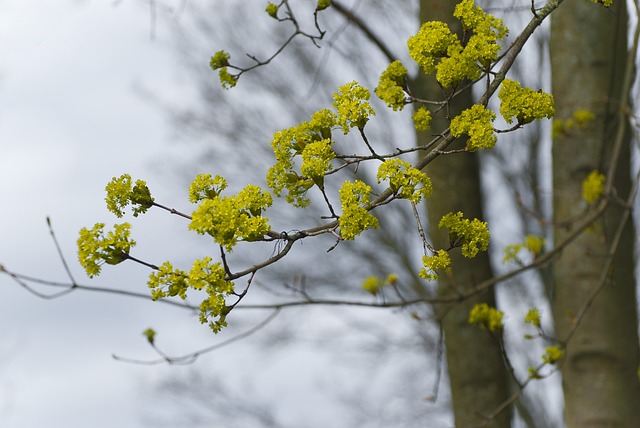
pixel 600 381
pixel 476 369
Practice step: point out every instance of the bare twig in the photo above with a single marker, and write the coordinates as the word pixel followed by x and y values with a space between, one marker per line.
pixel 60 253
pixel 362 26
pixel 193 356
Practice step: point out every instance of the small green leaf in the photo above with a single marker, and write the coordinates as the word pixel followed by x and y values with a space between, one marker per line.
pixel 150 334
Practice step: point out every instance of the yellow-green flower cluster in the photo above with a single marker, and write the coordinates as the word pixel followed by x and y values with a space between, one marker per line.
pixel 471 235
pixel 352 105
pixel 472 16
pixel 422 119
pixel 487 31
pixel 391 85
pixel 552 354
pixel 168 282
pixel 476 122
pixel 95 247
pixel 210 277
pixel 582 117
pixel 457 67
pixel 206 187
pixel 533 243
pixel 355 218
pixel 431 43
pixel 214 307
pixel 486 316
pixel 227 79
pixel 533 373
pixel 436 48
pixel 373 284
pixel 605 3
pixel 579 119
pixel 432 264
pixel 272 10
pixel 593 186
pixel 220 61
pixel 292 142
pixel 533 317
pixel 229 219
pixel 121 192
pixel 323 4
pixel 406 181
pixel 524 104
pixel 316 160
pixel 150 334
pixel 204 275
pixel 118 194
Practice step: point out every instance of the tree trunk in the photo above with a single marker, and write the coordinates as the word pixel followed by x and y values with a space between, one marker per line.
pixel 476 369
pixel 600 381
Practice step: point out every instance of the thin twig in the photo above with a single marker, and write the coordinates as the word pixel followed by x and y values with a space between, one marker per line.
pixel 193 356
pixel 60 253
pixel 362 26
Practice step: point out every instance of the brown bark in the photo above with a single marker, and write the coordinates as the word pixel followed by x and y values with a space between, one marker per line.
pixel 476 369
pixel 600 381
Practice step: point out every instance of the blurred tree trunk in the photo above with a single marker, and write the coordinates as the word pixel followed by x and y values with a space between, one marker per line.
pixel 600 381
pixel 476 369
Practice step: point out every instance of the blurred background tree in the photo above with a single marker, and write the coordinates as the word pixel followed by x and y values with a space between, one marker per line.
pixel 361 41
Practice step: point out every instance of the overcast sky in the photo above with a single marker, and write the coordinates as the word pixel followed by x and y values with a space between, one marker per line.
pixel 71 118
pixel 69 121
